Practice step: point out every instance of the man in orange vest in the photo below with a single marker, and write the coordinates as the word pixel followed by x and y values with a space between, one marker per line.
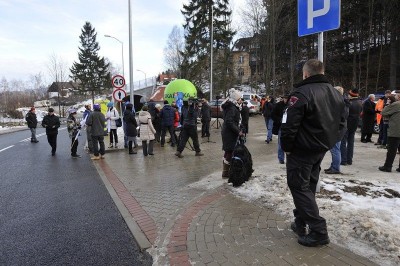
pixel 378 109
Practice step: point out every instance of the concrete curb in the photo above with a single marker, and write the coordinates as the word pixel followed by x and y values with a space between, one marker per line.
pixel 137 233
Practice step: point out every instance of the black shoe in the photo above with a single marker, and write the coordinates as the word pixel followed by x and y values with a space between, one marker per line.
pixel 364 141
pixel 76 156
pixel 299 231
pixel 370 141
pixel 314 239
pixel 398 169
pixel 326 170
pixel 333 172
pixel 282 162
pixel 151 153
pixel 349 163
pixel 34 141
pixel 378 143
pixel 343 163
pixel 53 153
pixel 385 169
pixel 267 141
pixel 132 152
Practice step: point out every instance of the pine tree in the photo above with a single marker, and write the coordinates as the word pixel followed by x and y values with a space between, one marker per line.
pixel 92 72
pixel 196 56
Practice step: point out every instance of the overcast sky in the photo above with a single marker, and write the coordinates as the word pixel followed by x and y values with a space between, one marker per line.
pixel 32 30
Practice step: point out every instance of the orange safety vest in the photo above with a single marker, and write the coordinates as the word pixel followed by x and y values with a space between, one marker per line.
pixel 379 108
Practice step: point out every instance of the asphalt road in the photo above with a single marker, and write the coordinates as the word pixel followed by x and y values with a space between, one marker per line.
pixel 56 210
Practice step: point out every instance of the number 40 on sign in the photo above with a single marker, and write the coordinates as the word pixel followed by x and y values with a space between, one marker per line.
pixel 118 81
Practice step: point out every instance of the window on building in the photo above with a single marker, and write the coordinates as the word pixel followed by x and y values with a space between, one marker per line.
pixel 241 72
pixel 241 59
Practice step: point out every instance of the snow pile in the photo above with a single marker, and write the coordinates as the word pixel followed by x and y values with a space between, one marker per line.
pixel 361 216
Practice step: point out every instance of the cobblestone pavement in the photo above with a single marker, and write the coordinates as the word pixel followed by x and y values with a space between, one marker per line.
pixel 196 225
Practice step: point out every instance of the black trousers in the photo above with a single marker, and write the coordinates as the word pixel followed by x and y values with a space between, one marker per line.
pixel 302 178
pixel 74 146
pixel 205 128
pixel 366 136
pixel 186 133
pixel 52 140
pixel 171 133
pixel 98 140
pixel 392 146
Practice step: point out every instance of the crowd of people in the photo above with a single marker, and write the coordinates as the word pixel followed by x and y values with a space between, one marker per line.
pixel 311 120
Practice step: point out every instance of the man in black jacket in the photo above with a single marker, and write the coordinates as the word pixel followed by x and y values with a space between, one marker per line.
pixel 267 113
pixel 51 122
pixel 31 119
pixel 245 113
pixel 310 127
pixel 189 127
pixel 277 114
pixel 205 118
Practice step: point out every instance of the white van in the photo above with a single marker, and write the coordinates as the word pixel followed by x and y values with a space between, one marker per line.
pixel 250 96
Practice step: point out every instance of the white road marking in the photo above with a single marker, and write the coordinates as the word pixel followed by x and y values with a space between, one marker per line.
pixel 39 135
pixel 7 148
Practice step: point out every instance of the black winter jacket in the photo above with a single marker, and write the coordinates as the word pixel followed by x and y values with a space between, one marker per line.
pixel 245 113
pixel 355 109
pixel 267 109
pixel 205 112
pixel 277 114
pixel 314 117
pixel 51 123
pixel 167 115
pixel 130 123
pixel 189 116
pixel 230 128
pixel 31 119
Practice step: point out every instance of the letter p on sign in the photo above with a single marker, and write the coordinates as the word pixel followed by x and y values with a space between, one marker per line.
pixel 316 16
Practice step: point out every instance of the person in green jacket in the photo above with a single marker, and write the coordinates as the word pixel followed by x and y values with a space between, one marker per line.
pixel 392 111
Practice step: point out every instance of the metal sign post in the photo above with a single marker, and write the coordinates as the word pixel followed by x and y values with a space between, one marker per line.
pixel 317 16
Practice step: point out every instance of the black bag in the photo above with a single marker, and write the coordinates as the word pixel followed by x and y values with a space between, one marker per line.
pixel 118 122
pixel 241 166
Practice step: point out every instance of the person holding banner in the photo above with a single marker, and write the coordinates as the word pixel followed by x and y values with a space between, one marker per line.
pixel 73 127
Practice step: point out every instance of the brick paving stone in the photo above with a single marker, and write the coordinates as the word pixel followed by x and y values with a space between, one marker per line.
pixel 210 227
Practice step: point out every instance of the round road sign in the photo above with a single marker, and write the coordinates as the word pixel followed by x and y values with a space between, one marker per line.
pixel 119 94
pixel 118 81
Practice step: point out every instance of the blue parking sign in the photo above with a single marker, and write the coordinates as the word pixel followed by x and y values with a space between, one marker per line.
pixel 316 16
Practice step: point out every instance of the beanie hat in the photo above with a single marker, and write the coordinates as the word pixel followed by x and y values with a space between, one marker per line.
pixel 72 111
pixel 129 106
pixel 353 92
pixel 110 104
pixel 234 95
pixel 51 110
pixel 96 106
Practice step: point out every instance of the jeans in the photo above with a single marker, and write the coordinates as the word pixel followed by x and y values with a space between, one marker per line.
pixel 96 141
pixel 384 133
pixel 33 133
pixel 171 133
pixel 347 147
pixel 281 153
pixel 113 136
pixel 74 146
pixel 269 123
pixel 336 157
pixel 147 149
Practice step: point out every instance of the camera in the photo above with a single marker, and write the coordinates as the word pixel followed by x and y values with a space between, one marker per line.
pixel 193 101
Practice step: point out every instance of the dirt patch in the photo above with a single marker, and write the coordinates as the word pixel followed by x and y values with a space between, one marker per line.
pixel 329 194
pixel 357 190
pixel 393 193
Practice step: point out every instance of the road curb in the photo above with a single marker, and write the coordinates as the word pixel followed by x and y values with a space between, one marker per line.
pixel 137 233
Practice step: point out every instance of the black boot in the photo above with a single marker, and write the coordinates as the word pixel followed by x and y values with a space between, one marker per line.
pixel 299 230
pixel 314 239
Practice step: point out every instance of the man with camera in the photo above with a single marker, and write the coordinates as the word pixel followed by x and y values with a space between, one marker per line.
pixel 188 121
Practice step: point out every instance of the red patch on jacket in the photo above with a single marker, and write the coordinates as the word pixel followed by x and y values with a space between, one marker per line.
pixel 293 100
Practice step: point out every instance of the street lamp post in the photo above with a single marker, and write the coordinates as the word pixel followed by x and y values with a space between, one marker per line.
pixel 145 76
pixel 122 45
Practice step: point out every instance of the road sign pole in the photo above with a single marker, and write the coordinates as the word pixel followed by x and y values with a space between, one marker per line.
pixel 321 46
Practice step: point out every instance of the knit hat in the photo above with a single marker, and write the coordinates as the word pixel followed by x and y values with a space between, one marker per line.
pixel 110 104
pixel 129 106
pixel 72 111
pixel 354 92
pixel 96 106
pixel 51 110
pixel 234 95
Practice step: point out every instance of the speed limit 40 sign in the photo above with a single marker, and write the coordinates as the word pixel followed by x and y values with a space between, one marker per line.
pixel 118 82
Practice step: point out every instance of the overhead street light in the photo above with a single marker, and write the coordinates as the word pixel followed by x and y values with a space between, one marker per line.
pixel 145 76
pixel 122 45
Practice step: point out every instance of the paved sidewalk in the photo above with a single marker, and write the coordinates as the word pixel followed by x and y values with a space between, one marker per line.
pixel 187 224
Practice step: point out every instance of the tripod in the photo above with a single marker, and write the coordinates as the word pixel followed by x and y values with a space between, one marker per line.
pixel 218 122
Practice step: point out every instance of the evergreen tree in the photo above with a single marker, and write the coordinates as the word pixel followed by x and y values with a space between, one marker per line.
pixel 196 55
pixel 92 71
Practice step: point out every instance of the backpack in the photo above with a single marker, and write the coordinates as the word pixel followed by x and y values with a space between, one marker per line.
pixel 241 165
